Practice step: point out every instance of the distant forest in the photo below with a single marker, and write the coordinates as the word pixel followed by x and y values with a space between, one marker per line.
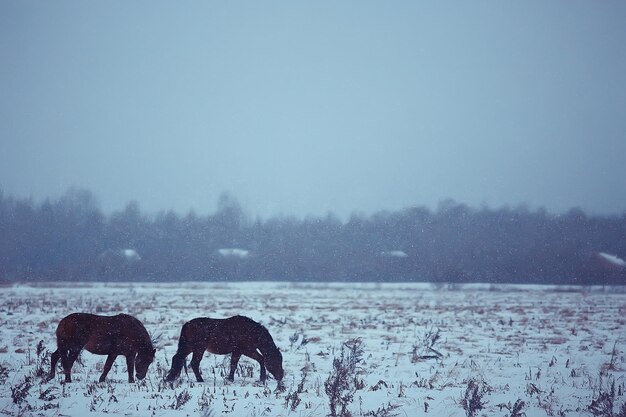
pixel 71 239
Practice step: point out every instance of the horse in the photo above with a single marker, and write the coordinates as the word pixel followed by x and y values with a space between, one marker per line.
pixel 103 335
pixel 236 335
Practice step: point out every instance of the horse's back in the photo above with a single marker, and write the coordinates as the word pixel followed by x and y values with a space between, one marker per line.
pixel 94 320
pixel 229 324
pixel 246 324
pixel 222 336
pixel 99 334
pixel 77 317
pixel 75 327
pixel 81 321
pixel 242 320
pixel 129 322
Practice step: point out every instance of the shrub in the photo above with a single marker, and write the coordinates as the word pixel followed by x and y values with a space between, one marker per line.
pixel 342 382
pixel 516 410
pixel 425 348
pixel 604 405
pixel 472 400
pixel 43 361
pixel 181 399
pixel 20 391
pixel 4 373
pixel 294 396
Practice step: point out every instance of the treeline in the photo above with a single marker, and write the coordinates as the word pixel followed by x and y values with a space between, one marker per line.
pixel 71 239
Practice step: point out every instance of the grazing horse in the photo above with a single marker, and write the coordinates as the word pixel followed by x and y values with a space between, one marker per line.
pixel 103 335
pixel 237 335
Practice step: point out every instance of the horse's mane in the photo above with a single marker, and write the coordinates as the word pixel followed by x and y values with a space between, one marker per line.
pixel 266 338
pixel 155 340
pixel 151 340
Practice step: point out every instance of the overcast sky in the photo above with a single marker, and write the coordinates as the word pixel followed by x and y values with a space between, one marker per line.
pixel 307 107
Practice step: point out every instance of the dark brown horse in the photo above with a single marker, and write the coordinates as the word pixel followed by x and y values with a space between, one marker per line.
pixel 103 335
pixel 236 335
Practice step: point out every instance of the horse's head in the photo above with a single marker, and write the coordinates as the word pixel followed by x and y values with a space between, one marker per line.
pixel 143 361
pixel 274 364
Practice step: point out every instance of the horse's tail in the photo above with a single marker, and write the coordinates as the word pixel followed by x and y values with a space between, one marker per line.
pixel 179 360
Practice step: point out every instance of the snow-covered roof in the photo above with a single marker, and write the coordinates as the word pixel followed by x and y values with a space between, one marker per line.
pixel 130 254
pixel 394 254
pixel 612 259
pixel 234 253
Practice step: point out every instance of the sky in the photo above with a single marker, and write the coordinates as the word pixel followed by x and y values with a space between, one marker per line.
pixel 303 108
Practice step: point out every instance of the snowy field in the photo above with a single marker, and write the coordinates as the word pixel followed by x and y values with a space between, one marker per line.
pixel 408 350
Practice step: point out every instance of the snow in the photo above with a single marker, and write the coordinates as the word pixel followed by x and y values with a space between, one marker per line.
pixel 612 259
pixel 555 348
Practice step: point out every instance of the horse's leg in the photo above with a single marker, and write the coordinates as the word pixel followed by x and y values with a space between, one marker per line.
pixel 107 366
pixel 66 363
pixel 68 357
pixel 234 360
pixel 72 355
pixel 54 359
pixel 195 363
pixel 130 364
pixel 259 358
pixel 178 361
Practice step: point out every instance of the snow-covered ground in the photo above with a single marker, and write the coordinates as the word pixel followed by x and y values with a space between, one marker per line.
pixel 559 350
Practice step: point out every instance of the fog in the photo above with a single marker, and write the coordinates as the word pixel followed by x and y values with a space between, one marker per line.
pixel 314 107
